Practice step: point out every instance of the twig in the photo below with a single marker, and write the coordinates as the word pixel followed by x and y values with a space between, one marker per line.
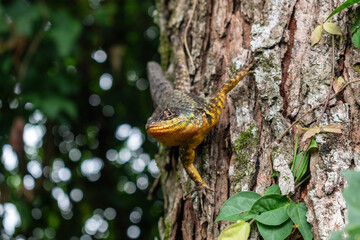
pixel 185 34
pixel 155 186
pixel 313 108
pixel 327 98
pixel 271 167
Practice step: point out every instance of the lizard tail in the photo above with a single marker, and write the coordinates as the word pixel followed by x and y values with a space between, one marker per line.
pixel 158 83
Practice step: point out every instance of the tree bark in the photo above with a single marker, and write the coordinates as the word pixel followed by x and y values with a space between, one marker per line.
pixel 290 77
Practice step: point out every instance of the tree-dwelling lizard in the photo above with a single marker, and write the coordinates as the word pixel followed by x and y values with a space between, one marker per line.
pixel 181 118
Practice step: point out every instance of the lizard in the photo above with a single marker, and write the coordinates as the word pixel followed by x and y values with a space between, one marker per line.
pixel 181 118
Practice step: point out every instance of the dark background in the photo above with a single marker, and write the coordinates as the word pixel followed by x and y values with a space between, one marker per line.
pixel 76 162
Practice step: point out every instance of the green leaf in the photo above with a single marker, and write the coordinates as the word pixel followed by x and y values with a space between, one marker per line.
pixel 312 145
pixel 53 106
pixel 236 204
pixel 316 35
pixel 335 236
pixel 356 68
pixel 246 216
pixel 295 164
pixel 53 220
pixel 333 29
pixel 296 146
pixel 346 4
pixel 356 25
pixel 3 24
pixel 24 16
pixel 273 217
pixel 64 32
pixel 352 195
pixel 237 231
pixel 297 213
pixel 273 189
pixel 275 232
pixel 271 209
pixel 338 83
pixel 105 14
pixel 269 202
pixel 299 166
pixel 353 231
pixel 356 38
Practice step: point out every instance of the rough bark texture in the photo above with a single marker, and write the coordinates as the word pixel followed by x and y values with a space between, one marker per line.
pixel 289 78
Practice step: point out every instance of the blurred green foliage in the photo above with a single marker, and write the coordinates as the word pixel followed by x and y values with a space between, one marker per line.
pixel 50 78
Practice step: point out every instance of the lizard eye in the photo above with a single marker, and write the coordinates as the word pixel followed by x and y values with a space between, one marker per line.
pixel 168 113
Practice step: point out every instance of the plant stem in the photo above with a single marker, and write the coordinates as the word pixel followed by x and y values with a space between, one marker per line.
pixel 313 108
pixel 332 81
pixel 302 181
pixel 185 34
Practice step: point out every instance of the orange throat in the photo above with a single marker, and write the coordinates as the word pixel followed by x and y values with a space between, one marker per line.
pixel 172 135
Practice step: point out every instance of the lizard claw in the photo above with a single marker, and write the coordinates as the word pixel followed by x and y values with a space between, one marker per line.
pixel 251 63
pixel 203 186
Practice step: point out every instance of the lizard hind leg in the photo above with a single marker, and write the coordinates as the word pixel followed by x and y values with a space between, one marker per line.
pixel 187 155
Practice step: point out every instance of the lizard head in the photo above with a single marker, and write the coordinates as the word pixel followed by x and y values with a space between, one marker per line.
pixel 173 126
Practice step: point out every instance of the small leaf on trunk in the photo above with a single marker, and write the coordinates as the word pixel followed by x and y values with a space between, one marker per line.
pixel 333 128
pixel 355 26
pixel 333 29
pixel 237 231
pixel 310 133
pixel 316 35
pixel 356 38
pixel 338 83
pixel 356 68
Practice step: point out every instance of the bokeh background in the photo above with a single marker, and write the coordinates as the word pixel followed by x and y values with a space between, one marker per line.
pixel 76 162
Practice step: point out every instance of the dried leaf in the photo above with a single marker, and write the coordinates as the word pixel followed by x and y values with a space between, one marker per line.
pixel 316 35
pixel 301 129
pixel 311 132
pixel 333 128
pixel 333 29
pixel 338 83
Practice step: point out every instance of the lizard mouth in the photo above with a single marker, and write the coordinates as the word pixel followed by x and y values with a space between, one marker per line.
pixel 171 134
pixel 152 128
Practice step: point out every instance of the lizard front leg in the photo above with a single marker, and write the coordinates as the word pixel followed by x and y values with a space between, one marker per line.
pixel 215 104
pixel 187 155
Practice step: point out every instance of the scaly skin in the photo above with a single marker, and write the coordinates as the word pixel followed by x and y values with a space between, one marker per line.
pixel 182 119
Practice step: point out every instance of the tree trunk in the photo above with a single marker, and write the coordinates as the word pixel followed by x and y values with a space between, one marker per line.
pixel 290 77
